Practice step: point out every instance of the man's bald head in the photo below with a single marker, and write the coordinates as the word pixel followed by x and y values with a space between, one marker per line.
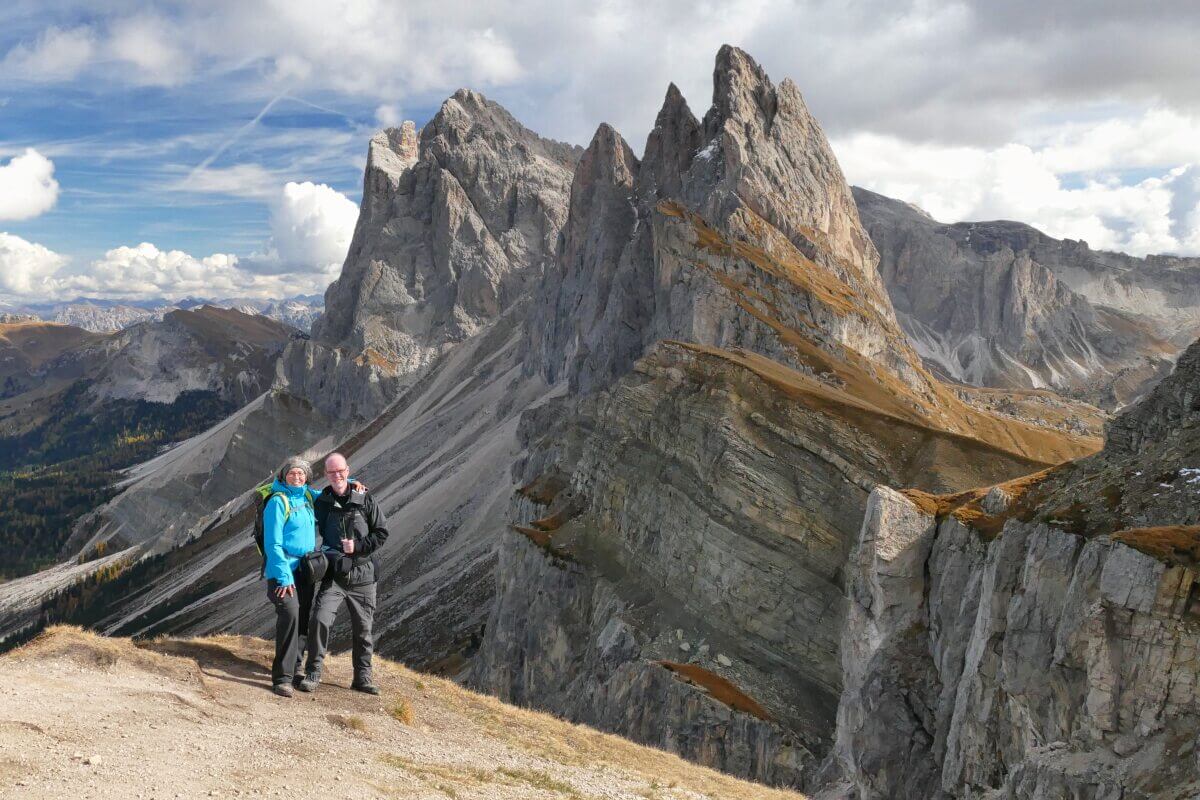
pixel 337 470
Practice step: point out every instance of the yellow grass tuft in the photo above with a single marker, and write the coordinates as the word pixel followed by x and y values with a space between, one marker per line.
pixel 348 721
pixel 402 711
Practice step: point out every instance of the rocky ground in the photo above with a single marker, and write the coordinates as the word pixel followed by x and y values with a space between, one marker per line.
pixel 86 716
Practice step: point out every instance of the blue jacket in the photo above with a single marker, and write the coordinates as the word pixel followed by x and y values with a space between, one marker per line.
pixel 285 541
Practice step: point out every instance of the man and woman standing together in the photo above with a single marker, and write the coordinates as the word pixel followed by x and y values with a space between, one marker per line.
pixel 345 525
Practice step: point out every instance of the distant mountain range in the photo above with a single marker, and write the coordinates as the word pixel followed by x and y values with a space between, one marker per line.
pixel 102 316
pixel 1002 304
pixel 76 406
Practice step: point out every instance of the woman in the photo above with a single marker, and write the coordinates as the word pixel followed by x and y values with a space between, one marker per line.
pixel 289 531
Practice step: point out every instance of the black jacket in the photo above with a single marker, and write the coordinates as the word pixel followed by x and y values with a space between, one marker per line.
pixel 365 523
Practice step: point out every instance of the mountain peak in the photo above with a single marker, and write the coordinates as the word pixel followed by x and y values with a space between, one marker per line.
pixel 769 151
pixel 393 150
pixel 741 90
pixel 672 144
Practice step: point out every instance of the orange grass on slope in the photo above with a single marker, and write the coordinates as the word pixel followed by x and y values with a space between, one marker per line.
pixel 718 688
pixel 860 376
pixel 1172 544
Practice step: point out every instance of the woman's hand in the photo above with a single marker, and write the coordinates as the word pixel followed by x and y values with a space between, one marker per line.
pixel 358 486
pixel 285 591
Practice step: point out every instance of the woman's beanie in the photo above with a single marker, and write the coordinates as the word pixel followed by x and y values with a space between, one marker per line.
pixel 295 462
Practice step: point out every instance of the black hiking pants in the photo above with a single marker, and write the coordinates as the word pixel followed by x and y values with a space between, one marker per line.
pixel 291 627
pixel 361 601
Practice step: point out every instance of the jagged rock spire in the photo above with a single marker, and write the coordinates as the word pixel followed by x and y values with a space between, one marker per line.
pixel 758 171
pixel 771 152
pixel 671 146
pixel 452 223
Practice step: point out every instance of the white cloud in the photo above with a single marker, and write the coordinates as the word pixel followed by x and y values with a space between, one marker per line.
pixel 240 180
pixel 1071 187
pixel 146 271
pixel 388 115
pixel 156 51
pixel 27 186
pixel 26 267
pixel 56 55
pixel 311 228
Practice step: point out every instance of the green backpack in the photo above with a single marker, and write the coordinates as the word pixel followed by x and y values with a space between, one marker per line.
pixel 262 494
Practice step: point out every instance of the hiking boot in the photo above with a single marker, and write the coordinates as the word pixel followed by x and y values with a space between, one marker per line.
pixel 365 686
pixel 282 689
pixel 309 684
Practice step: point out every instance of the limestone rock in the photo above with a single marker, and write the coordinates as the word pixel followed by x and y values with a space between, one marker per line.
pixel 451 229
pixel 1047 653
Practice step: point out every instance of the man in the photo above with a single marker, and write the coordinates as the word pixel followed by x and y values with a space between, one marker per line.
pixel 350 528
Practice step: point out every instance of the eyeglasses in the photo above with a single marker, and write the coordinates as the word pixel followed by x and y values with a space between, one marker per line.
pixel 337 471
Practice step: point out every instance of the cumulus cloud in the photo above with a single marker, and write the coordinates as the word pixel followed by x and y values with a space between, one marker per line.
pixel 311 228
pixel 26 267
pixel 27 186
pixel 145 270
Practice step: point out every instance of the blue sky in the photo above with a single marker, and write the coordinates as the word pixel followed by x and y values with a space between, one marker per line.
pixel 220 145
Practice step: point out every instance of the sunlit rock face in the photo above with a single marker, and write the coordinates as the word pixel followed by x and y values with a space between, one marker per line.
pixel 1036 640
pixel 454 222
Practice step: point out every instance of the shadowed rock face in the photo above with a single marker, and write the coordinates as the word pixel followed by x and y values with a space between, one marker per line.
pixel 1001 304
pixel 1036 640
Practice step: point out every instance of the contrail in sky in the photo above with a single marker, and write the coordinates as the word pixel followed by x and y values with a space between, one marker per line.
pixel 237 135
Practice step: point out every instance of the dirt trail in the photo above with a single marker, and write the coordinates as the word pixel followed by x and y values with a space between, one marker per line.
pixel 83 716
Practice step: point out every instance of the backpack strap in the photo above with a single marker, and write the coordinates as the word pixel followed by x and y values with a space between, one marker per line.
pixel 287 507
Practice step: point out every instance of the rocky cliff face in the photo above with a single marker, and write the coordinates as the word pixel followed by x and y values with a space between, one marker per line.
pixel 737 383
pixel 210 349
pixel 1000 304
pixel 455 222
pixel 1037 640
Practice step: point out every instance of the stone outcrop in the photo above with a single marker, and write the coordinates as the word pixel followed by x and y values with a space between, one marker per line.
pixel 1037 640
pixel 1000 304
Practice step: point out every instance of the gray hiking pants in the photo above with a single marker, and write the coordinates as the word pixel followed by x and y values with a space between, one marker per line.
pixel 361 600
pixel 291 627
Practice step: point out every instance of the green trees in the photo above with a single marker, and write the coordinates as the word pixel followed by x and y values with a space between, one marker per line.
pixel 55 473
